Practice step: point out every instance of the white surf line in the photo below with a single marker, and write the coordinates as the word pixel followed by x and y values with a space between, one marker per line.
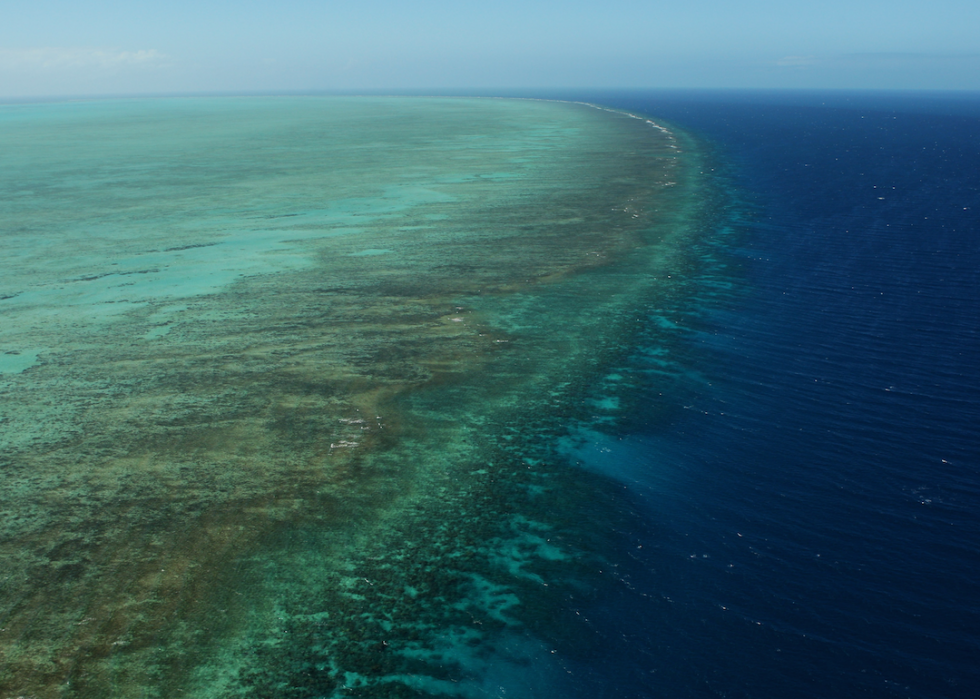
pixel 663 129
pixel 659 127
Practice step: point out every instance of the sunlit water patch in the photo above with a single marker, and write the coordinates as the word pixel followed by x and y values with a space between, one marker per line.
pixel 283 381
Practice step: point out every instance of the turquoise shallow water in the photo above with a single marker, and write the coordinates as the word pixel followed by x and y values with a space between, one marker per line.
pixel 283 380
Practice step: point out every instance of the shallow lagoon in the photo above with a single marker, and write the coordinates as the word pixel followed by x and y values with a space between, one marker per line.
pixel 285 380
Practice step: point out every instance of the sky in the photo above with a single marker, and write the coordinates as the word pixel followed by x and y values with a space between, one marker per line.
pixel 91 47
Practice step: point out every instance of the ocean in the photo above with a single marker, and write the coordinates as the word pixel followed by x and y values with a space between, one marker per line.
pixel 318 397
pixel 810 498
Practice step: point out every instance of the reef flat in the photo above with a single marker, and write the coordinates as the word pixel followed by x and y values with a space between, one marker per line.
pixel 280 381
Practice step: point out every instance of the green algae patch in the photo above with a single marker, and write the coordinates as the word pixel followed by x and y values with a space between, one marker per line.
pixel 306 361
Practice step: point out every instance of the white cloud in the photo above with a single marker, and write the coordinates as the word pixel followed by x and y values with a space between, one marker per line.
pixel 796 61
pixel 61 58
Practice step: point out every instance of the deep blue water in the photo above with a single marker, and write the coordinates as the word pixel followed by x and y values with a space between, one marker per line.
pixel 805 479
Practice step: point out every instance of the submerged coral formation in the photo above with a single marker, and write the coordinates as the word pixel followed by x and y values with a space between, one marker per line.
pixel 284 377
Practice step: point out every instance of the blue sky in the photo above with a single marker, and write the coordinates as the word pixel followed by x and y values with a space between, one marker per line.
pixel 62 47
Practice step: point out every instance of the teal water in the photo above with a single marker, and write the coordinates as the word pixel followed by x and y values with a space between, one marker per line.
pixel 283 381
